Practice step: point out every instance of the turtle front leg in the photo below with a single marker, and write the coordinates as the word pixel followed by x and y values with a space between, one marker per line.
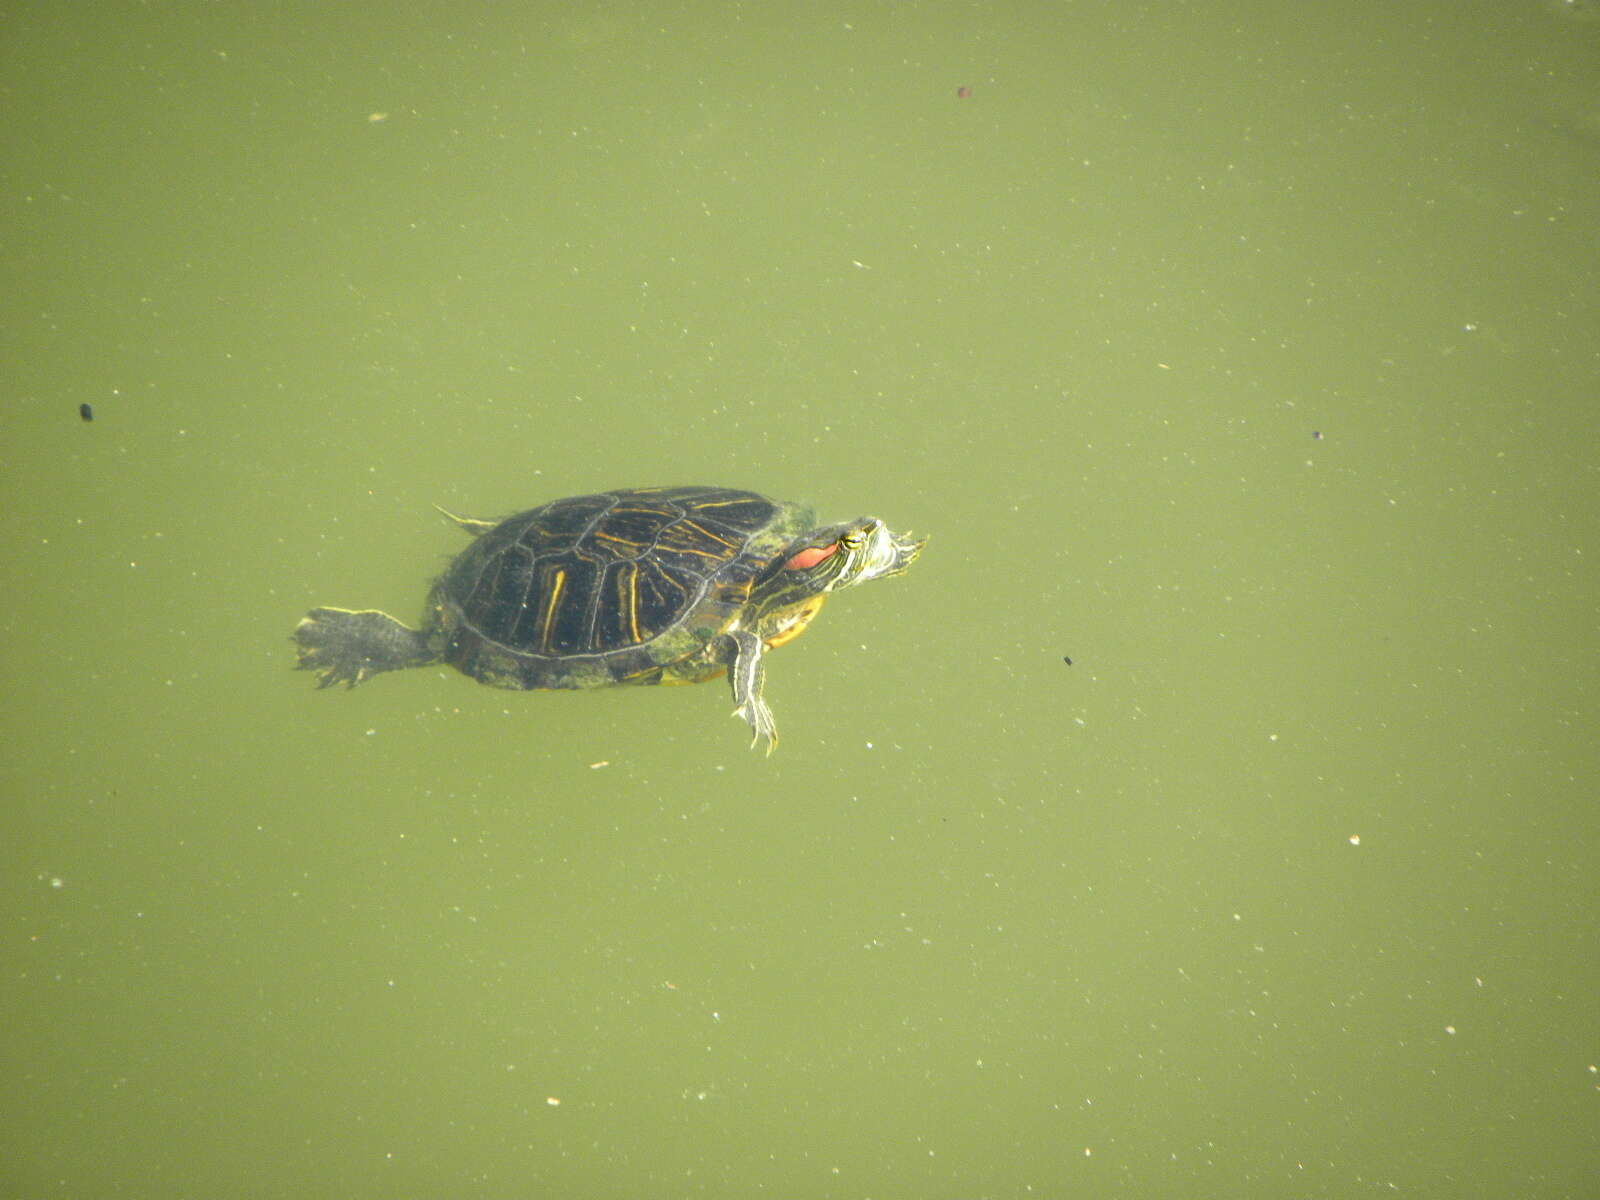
pixel 745 673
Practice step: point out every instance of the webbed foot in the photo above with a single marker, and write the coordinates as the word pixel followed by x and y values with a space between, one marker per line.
pixel 350 647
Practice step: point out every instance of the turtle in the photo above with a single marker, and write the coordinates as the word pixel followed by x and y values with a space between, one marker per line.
pixel 631 586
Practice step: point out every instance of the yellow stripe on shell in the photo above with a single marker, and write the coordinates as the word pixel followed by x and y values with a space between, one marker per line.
pixel 558 583
pixel 633 601
pixel 701 529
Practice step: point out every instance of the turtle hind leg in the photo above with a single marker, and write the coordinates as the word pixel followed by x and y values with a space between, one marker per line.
pixel 349 647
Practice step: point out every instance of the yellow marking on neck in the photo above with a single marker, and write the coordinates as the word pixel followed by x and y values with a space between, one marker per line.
pixel 786 624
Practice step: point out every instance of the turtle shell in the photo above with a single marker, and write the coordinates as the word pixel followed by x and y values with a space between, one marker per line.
pixel 603 589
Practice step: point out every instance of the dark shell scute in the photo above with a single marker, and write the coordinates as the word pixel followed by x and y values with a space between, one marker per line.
pixel 592 575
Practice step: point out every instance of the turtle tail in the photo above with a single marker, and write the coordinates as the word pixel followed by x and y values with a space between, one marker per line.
pixel 350 647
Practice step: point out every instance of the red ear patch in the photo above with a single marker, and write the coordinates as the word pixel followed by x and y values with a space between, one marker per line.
pixel 810 557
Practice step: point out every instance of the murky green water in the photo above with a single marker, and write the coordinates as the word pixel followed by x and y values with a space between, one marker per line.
pixel 1243 354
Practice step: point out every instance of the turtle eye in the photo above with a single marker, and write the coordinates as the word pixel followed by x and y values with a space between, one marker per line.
pixel 853 540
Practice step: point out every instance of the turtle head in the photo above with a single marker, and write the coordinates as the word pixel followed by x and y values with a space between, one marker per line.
pixel 871 550
pixel 790 593
pixel 841 556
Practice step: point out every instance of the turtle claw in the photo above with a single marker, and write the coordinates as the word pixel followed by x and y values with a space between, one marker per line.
pixel 758 716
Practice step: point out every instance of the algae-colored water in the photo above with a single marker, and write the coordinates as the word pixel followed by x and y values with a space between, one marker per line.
pixel 1243 354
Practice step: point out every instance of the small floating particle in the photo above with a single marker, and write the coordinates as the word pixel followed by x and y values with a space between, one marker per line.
pixel 963 92
pixel 374 118
pixel 1355 839
pixel 1067 658
pixel 1317 434
pixel 553 1101
pixel 86 411
pixel 595 766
